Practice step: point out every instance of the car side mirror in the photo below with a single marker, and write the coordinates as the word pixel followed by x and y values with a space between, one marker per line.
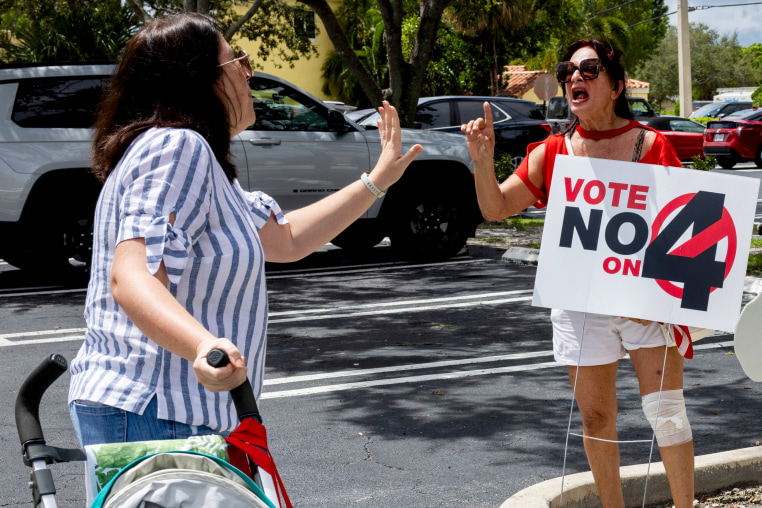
pixel 337 122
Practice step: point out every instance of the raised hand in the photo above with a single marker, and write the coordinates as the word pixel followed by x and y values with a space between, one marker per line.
pixel 392 162
pixel 480 136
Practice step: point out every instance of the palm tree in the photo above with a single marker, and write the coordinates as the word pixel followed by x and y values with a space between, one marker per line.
pixel 490 22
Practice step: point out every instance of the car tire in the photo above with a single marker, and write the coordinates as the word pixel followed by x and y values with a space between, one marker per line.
pixel 55 228
pixel 726 162
pixel 361 235
pixel 430 228
pixel 758 157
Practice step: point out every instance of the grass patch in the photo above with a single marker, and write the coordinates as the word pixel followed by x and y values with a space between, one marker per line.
pixel 754 268
pixel 756 243
pixel 513 223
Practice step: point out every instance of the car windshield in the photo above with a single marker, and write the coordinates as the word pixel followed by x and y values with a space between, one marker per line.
pixel 746 114
pixel 708 110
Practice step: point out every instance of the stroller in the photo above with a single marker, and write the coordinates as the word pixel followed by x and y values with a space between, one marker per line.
pixel 239 472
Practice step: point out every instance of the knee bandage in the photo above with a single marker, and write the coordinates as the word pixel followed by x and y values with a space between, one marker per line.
pixel 670 423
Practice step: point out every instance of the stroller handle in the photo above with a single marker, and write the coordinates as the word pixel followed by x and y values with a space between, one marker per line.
pixel 30 395
pixel 243 395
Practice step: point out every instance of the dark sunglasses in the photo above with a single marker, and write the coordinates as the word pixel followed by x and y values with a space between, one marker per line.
pixel 588 69
pixel 242 57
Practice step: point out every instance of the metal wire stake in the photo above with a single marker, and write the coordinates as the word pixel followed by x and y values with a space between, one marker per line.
pixel 571 409
pixel 656 423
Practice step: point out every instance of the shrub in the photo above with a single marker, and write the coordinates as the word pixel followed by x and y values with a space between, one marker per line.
pixel 503 167
pixel 703 164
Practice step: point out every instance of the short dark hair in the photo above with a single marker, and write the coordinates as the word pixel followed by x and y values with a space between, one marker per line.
pixel 611 60
pixel 165 78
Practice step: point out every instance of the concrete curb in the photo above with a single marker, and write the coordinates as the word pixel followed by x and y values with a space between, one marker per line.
pixel 521 255
pixel 713 472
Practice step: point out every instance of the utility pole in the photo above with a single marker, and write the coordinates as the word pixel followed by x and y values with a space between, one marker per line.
pixel 684 58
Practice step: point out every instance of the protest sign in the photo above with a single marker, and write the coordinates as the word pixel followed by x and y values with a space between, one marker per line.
pixel 646 241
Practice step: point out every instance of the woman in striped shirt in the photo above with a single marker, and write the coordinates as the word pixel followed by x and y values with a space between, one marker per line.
pixel 179 247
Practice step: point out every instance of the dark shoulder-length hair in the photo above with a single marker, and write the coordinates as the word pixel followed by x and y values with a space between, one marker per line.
pixel 611 60
pixel 165 78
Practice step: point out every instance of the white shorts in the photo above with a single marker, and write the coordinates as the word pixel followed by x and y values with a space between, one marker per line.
pixel 607 338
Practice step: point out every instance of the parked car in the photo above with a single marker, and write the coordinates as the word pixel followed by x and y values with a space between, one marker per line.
pixel 299 151
pixel 754 114
pixel 641 108
pixel 358 115
pixel 559 115
pixel 719 109
pixel 686 136
pixel 735 139
pixel 517 122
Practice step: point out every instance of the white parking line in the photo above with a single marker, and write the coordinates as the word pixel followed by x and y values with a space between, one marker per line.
pixel 380 370
pixel 401 310
pixel 284 274
pixel 307 273
pixel 434 377
pixel 401 306
pixel 402 302
pixel 409 379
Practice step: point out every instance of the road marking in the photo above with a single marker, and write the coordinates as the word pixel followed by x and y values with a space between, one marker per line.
pixel 51 292
pixel 401 306
pixel 401 310
pixel 434 377
pixel 401 302
pixel 284 274
pixel 380 370
pixel 306 273
pixel 409 379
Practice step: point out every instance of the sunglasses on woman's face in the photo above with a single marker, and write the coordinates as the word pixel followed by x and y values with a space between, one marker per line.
pixel 588 69
pixel 242 57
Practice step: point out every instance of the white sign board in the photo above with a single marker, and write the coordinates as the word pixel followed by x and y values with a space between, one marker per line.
pixel 646 241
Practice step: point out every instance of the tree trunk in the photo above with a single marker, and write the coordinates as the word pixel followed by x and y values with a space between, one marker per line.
pixel 414 72
pixel 340 43
pixel 138 8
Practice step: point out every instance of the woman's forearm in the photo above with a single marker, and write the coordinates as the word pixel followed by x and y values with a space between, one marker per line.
pixel 149 304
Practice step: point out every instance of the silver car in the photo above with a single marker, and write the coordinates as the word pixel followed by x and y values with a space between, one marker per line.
pixel 299 150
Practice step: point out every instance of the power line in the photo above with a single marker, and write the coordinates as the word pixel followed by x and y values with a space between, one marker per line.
pixel 691 9
pixel 612 8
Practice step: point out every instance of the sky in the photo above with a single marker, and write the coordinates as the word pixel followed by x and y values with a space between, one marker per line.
pixel 746 21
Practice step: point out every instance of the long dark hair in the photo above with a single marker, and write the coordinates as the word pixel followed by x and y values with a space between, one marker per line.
pixel 165 78
pixel 611 60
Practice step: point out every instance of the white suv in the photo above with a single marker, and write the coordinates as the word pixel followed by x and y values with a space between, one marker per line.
pixel 299 151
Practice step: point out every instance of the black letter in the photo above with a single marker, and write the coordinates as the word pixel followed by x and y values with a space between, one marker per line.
pixel 588 235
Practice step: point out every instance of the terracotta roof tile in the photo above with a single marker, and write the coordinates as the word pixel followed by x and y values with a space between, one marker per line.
pixel 634 83
pixel 519 80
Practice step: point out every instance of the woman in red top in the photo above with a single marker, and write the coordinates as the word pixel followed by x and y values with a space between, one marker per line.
pixel 594 83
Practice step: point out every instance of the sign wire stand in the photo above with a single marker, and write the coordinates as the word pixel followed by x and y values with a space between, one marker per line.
pixel 571 412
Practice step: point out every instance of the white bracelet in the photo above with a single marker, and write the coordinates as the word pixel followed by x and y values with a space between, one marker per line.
pixel 375 190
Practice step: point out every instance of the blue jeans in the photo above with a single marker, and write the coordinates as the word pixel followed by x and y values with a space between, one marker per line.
pixel 98 424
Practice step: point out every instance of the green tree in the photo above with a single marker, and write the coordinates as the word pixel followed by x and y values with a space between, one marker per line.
pixel 81 30
pixel 364 27
pixel 636 28
pixel 711 54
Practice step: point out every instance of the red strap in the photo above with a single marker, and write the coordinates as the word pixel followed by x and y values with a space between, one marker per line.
pixel 249 442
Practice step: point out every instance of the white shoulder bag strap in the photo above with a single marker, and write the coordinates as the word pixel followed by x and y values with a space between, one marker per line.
pixel 567 140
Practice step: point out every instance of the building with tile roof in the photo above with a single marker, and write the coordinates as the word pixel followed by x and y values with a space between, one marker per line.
pixel 519 83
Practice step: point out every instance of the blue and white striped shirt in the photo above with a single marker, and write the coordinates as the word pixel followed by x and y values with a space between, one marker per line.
pixel 215 264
